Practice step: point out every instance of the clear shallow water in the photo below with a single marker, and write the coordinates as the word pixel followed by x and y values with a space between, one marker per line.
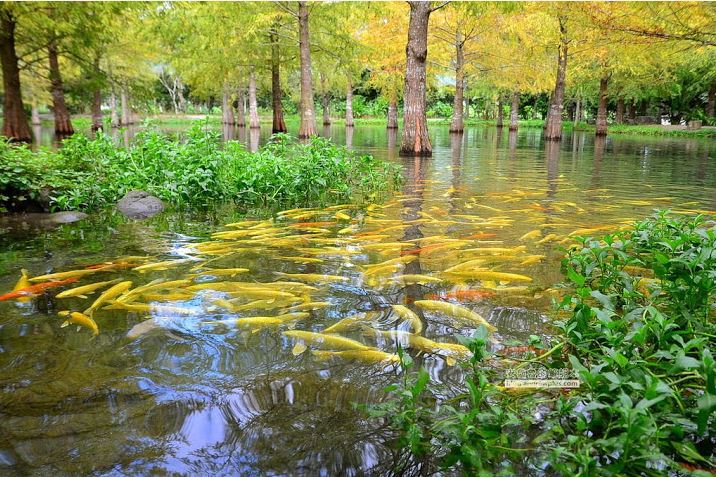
pixel 194 398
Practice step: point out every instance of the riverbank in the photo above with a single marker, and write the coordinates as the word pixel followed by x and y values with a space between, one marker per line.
pixel 81 122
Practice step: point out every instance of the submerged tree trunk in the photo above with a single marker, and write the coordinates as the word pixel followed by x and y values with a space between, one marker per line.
pixel 113 116
pixel 325 101
pixel 126 114
pixel 63 125
pixel 241 109
pixel 619 115
pixel 711 103
pixel 416 141
pixel 514 111
pixel 553 129
pixel 254 122
pixel 15 126
pixel 278 125
pixel 457 125
pixel 602 109
pixel 393 112
pixel 308 115
pixel 499 122
pixel 349 104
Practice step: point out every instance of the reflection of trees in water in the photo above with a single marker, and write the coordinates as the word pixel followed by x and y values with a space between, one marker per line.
pixel 599 145
pixel 282 423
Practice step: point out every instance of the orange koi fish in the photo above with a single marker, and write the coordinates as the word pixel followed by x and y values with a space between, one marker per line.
pixel 36 289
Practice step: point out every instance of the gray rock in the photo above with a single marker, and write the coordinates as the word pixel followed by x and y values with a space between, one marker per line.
pixel 137 204
pixel 66 217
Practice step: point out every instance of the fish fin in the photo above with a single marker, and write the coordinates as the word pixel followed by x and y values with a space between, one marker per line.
pixel 450 361
pixel 298 349
pixel 82 296
pixel 66 323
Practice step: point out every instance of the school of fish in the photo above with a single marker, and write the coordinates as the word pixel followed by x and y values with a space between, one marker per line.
pixel 429 268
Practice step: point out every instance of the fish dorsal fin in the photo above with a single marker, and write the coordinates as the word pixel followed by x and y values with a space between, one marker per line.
pixel 298 349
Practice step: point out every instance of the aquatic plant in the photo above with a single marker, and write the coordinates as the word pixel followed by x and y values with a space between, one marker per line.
pixel 640 334
pixel 198 171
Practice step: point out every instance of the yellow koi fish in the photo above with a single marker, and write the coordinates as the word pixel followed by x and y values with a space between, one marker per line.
pixel 368 356
pixel 322 341
pixel 23 282
pixel 158 284
pixel 70 274
pixel 76 318
pixel 490 275
pixel 416 279
pixel 530 235
pixel 451 351
pixel 219 272
pixel 109 294
pixel 152 308
pixel 313 277
pixel 351 321
pixel 161 265
pixel 83 291
pixel 410 316
pixel 456 311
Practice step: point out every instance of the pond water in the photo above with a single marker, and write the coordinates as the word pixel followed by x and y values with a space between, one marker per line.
pixel 195 392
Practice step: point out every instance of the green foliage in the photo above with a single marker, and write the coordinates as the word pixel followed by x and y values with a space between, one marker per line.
pixel 640 336
pixel 24 174
pixel 286 170
pixel 198 171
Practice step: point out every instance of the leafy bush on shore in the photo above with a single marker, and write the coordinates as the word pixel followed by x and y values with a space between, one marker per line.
pixel 91 173
pixel 640 334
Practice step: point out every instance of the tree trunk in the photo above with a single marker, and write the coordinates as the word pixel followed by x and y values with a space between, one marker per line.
pixel 35 115
pixel 553 129
pixel 241 109
pixel 499 122
pixel 602 110
pixel 278 125
pixel 180 95
pixel 515 111
pixel 631 108
pixel 63 125
pixel 393 112
pixel 466 111
pixel 349 105
pixel 227 113
pixel 254 122
pixel 126 115
pixel 325 101
pixel 113 116
pixel 15 126
pixel 711 104
pixel 96 99
pixel 457 125
pixel 416 141
pixel 578 112
pixel 307 107
pixel 97 110
pixel 619 116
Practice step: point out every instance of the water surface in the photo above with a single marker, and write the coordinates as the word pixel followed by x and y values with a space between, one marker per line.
pixel 195 398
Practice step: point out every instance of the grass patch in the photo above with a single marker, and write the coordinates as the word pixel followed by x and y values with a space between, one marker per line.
pixel 198 171
pixel 639 334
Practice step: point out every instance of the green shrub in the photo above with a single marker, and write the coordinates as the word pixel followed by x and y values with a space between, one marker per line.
pixel 198 171
pixel 24 174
